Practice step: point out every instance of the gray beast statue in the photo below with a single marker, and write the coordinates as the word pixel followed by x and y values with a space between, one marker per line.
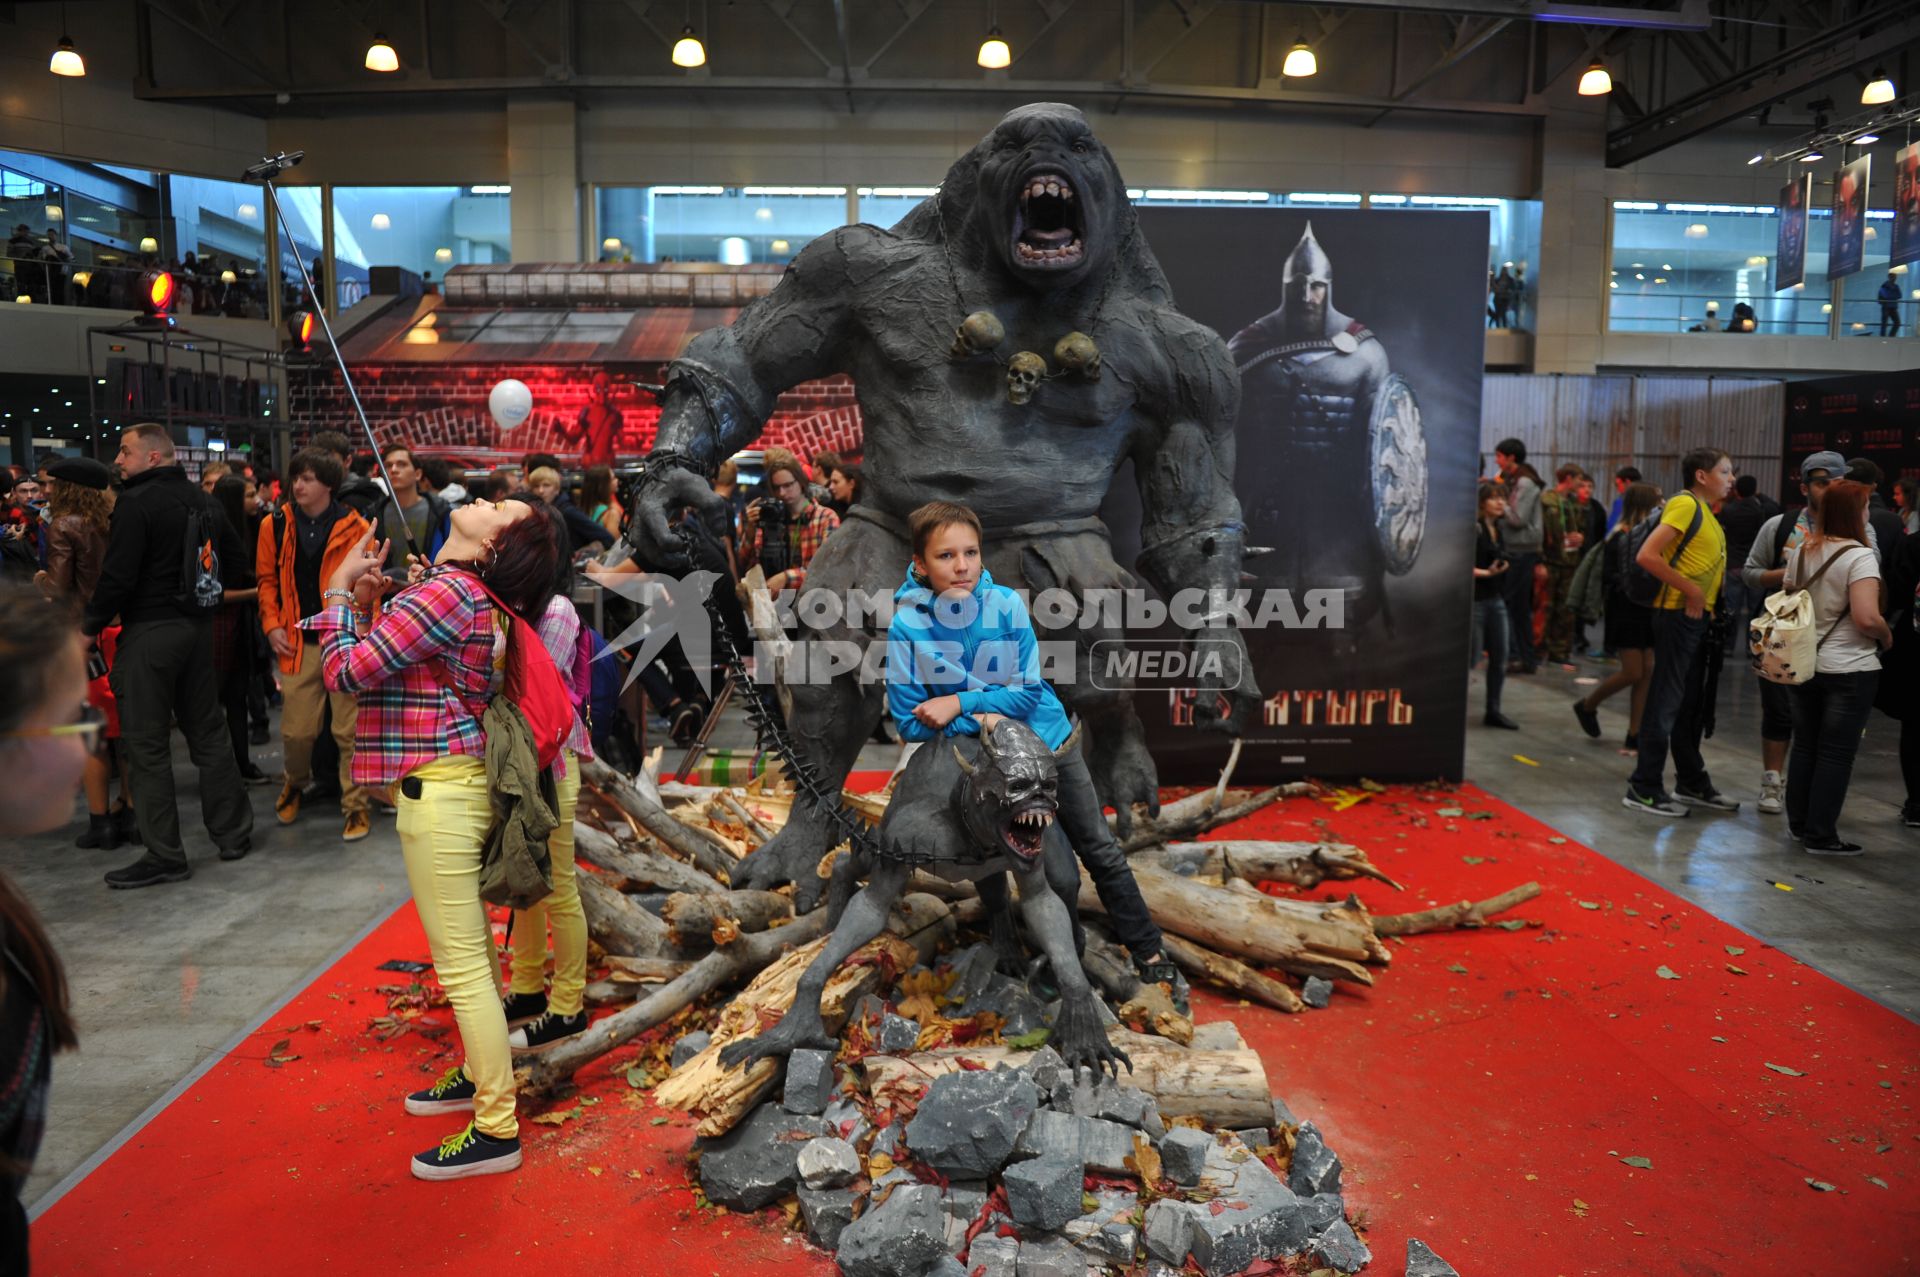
pixel 1029 246
pixel 976 810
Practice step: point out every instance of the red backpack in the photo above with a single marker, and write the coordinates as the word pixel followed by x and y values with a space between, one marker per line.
pixel 531 683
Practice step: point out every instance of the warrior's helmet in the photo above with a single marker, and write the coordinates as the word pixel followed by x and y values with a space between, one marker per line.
pixel 1307 265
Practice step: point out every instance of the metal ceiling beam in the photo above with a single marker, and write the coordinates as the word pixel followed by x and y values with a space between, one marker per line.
pixel 1869 37
pixel 215 41
pixel 1460 52
pixel 1688 15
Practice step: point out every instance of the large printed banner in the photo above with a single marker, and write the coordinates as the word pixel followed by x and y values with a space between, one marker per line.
pixel 1847 245
pixel 1872 415
pixel 1790 257
pixel 1358 335
pixel 1906 205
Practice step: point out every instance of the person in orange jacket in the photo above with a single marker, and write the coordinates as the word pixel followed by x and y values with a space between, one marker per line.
pixel 300 545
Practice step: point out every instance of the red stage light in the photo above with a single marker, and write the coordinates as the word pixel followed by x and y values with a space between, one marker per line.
pixel 156 298
pixel 300 329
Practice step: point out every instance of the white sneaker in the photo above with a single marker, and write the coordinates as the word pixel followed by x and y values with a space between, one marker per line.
pixel 1773 793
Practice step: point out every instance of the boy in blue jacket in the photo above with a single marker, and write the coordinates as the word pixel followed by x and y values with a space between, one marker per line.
pixel 960 655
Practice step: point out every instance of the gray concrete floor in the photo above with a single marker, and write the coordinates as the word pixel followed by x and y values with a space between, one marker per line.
pixel 165 979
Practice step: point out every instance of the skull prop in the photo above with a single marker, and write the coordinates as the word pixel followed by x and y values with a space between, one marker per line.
pixel 979 333
pixel 1025 372
pixel 1076 353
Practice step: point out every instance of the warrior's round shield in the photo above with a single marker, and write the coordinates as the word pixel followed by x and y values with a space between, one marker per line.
pixel 1399 455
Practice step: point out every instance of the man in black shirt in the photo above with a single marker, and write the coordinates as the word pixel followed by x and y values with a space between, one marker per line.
pixel 1741 518
pixel 163 668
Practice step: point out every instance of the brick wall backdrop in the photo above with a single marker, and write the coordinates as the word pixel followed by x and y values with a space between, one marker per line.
pixel 442 410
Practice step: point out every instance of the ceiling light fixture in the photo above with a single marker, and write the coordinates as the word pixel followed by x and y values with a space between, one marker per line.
pixel 380 55
pixel 994 53
pixel 687 50
pixel 1756 159
pixel 66 59
pixel 55 213
pixel 382 222
pixel 1866 139
pixel 1595 81
pixel 443 254
pixel 1879 89
pixel 1300 61
pixel 1811 156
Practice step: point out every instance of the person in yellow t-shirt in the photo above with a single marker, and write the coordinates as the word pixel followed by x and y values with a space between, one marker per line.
pixel 1690 569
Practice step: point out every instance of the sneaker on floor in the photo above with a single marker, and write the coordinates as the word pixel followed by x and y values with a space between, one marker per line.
pixel 286 808
pixel 254 776
pixel 1831 847
pixel 1910 816
pixel 523 1008
pixel 1653 805
pixel 1631 742
pixel 467 1154
pixel 453 1093
pixel 1773 794
pixel 238 851
pixel 101 833
pixel 1708 797
pixel 149 871
pixel 548 1031
pixel 1494 718
pixel 357 826
pixel 1589 721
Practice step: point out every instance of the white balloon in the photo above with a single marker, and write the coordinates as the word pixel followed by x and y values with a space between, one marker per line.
pixel 510 402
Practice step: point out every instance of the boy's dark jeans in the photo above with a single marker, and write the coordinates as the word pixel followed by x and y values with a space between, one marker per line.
pixel 1672 716
pixel 1829 713
pixel 1086 828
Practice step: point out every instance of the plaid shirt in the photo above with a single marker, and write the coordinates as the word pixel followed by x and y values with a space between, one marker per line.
pixel 805 533
pixel 559 630
pixel 407 715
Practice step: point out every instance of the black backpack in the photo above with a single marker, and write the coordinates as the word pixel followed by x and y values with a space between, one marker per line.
pixel 1639 585
pixel 200 586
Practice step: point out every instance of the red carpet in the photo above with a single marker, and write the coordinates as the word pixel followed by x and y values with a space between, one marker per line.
pixel 1483 1096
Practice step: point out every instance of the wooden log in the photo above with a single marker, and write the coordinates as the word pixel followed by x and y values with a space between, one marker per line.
pixel 1464 914
pixel 1302 937
pixel 624 969
pixel 637 867
pixel 657 821
pixel 616 923
pixel 1231 973
pixel 753 824
pixel 1303 864
pixel 691 918
pixel 1189 817
pixel 1224 1088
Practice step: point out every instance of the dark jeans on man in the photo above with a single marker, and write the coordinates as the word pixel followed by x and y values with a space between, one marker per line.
pixel 1829 713
pixel 1672 718
pixel 1776 711
pixel 1517 589
pixel 1490 628
pixel 163 670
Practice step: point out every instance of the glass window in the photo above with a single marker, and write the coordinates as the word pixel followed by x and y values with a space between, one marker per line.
pixel 219 234
pixel 424 229
pixel 737 225
pixel 300 205
pixel 78 233
pixel 1684 267
pixel 1513 246
pixel 1860 311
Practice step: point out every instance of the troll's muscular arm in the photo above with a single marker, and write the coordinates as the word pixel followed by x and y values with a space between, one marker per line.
pixel 721 391
pixel 1191 531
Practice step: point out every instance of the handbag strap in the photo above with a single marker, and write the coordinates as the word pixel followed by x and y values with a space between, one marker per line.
pixel 1816 576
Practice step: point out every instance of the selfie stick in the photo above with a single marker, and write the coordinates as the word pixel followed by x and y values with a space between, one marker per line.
pixel 264 172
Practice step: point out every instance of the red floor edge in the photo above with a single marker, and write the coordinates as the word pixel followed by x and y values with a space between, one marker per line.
pixel 1486 1095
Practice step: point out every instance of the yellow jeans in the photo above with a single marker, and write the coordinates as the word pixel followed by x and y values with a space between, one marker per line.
pixel 561 911
pixel 440 836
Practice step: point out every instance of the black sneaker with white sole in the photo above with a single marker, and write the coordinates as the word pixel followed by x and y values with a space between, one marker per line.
pixel 1707 797
pixel 1910 816
pixel 1589 721
pixel 1831 847
pixel 467 1154
pixel 1653 804
pixel 547 1031
pixel 453 1093
pixel 524 1008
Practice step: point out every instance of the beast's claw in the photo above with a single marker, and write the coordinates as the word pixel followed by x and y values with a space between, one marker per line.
pixel 1080 1039
pixel 783 1039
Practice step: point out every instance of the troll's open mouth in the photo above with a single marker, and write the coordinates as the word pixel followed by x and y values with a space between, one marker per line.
pixel 1026 831
pixel 1047 230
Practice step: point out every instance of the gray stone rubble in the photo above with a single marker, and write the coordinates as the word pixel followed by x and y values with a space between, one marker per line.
pixel 1422 1262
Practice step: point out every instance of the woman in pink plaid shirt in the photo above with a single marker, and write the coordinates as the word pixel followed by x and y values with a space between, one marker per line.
pixel 422 674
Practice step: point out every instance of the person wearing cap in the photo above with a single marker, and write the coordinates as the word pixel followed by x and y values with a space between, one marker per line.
pixel 1763 573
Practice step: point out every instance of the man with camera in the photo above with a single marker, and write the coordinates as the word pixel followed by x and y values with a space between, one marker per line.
pixel 785 530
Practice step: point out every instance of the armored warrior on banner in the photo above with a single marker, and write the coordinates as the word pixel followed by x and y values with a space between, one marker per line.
pixel 1344 431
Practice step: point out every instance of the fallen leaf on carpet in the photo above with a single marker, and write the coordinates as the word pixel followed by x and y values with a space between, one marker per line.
pixel 1734 951
pixel 1457 969
pixel 1479 815
pixel 1512 924
pixel 1666 973
pixel 1887 1085
pixel 1719 1039
pixel 593 1170
pixel 1784 1070
pixel 1884 1148
pixel 1588 904
pixel 1372 786
pixel 1875 1179
pixel 1557 841
pixel 1736 970
pixel 556 1117
pixel 1475 860
pixel 1450 811
pixel 1580 1208
pixel 1818 1185
pixel 1641 1162
pixel 658 1121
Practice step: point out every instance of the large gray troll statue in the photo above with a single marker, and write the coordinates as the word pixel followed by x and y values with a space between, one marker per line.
pixel 1029 246
pixel 975 810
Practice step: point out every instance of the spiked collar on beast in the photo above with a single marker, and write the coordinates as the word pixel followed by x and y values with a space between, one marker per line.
pixel 1008 797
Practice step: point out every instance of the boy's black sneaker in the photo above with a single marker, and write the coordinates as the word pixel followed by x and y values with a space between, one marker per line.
pixel 101 833
pixel 1832 847
pixel 547 1031
pixel 1494 718
pixel 1910 816
pixel 453 1093
pixel 148 871
pixel 254 776
pixel 467 1154
pixel 1653 804
pixel 523 1008
pixel 1708 797
pixel 1589 721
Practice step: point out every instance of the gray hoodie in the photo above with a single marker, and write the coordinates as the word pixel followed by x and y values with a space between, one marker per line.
pixel 1524 532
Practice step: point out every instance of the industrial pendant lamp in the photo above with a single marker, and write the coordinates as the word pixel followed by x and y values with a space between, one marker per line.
pixel 1879 89
pixel 66 59
pixel 380 55
pixel 994 54
pixel 1594 81
pixel 687 50
pixel 1300 61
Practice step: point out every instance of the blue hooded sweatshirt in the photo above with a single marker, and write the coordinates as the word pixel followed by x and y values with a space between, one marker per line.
pixel 981 647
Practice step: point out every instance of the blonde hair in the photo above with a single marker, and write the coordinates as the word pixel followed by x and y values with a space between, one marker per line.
pixel 544 474
pixel 216 471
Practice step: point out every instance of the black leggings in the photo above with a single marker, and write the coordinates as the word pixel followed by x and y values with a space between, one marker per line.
pixel 1910 757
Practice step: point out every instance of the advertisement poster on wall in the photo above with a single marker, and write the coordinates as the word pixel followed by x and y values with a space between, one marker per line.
pixel 1847 247
pixel 1906 205
pixel 1790 256
pixel 1872 415
pixel 1357 443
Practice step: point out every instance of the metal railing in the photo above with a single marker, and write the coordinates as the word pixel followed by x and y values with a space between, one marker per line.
pixel 48 282
pixel 1665 312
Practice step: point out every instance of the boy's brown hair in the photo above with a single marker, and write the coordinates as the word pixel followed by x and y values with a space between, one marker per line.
pixel 774 459
pixel 934 515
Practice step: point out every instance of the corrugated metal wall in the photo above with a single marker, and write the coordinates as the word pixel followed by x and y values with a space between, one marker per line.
pixel 1602 423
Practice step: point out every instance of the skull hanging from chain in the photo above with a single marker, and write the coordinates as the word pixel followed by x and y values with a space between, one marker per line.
pixel 1076 353
pixel 1025 372
pixel 980 333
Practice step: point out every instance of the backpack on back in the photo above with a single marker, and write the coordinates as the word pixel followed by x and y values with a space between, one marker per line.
pixel 200 586
pixel 1639 585
pixel 1781 638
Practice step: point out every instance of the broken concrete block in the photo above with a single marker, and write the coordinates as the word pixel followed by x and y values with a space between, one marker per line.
pixel 897 1036
pixel 947 1266
pixel 689 1046
pixel 1282 1115
pixel 827 1163
pixel 1321 1211
pixel 810 1081
pixel 1183 1154
pixel 972 968
pixel 1009 999
pixel 1044 1193
pixel 1339 1248
pixel 963 1200
pixel 1050 1257
pixel 1422 1262
pixel 1050 1074
pixel 845 1119
pixel 1316 1168
pixel 753 1165
pixel 1168 1231
pixel 1099 1145
pixel 1097 1095
pixel 1255 1137
pixel 1260 1218
pixel 826 1212
pixel 1317 993
pixel 1106 1234
pixel 904 1236
pixel 888 1140
pixel 994 1256
pixel 968 1122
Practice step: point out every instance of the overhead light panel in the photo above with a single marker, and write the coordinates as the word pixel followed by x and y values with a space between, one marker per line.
pixel 443 254
pixel 1300 61
pixel 994 54
pixel 1756 159
pixel 1594 81
pixel 1879 89
pixel 687 50
pixel 1811 156
pixel 1866 139
pixel 380 55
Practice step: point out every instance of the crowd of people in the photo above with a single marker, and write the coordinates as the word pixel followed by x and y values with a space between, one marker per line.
pixel 1675 580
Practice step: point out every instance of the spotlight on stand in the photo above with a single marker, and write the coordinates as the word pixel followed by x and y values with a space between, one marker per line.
pixel 1595 81
pixel 994 54
pixel 156 299
pixel 380 55
pixel 1300 61
pixel 1879 89
pixel 299 332
pixel 687 50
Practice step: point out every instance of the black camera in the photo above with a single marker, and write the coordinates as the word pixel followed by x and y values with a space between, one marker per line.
pixel 776 545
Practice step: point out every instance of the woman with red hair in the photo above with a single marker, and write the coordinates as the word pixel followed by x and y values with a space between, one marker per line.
pixel 1840 570
pixel 423 675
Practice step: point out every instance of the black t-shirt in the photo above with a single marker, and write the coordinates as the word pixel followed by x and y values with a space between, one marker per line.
pixel 1487 550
